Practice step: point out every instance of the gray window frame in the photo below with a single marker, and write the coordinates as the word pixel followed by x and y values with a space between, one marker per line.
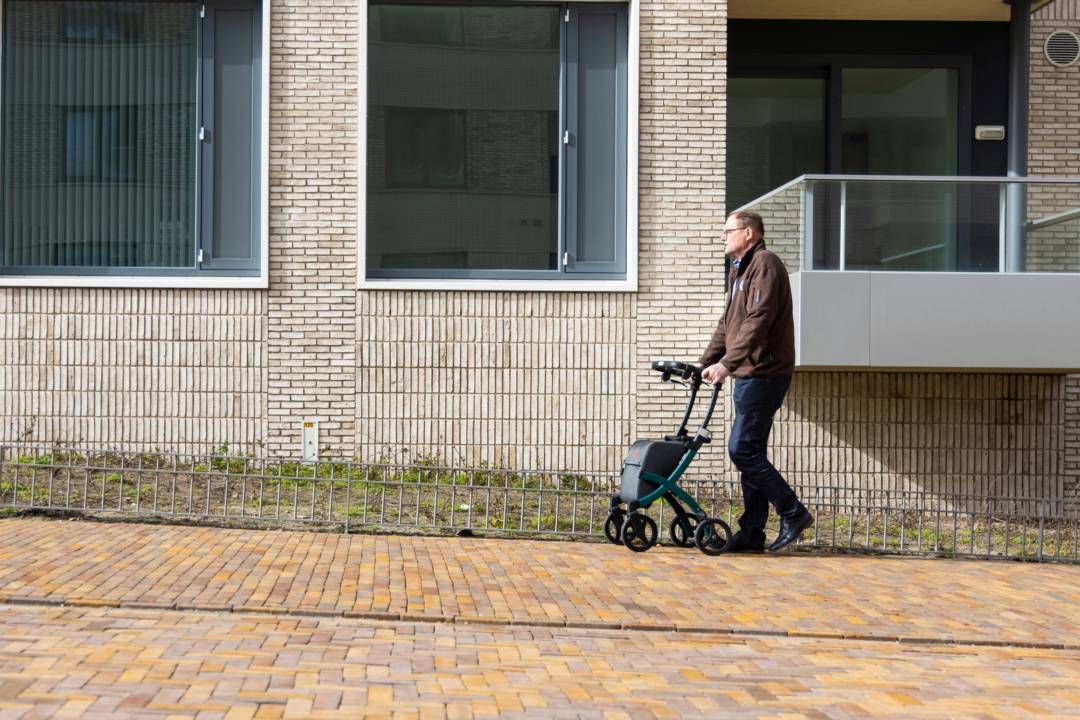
pixel 202 238
pixel 209 168
pixel 568 156
pixel 573 103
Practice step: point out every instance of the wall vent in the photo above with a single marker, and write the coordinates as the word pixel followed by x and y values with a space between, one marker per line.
pixel 1062 48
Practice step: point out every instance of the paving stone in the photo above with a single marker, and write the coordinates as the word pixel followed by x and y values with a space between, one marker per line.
pixel 521 629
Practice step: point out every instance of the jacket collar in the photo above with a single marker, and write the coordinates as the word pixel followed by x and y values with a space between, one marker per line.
pixel 742 262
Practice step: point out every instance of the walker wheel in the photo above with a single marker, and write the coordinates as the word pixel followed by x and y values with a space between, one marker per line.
pixel 639 532
pixel 613 526
pixel 682 529
pixel 712 536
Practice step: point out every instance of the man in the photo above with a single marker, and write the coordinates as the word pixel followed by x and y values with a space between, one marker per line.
pixel 754 342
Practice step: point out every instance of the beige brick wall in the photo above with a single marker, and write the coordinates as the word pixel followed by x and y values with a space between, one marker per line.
pixel 1054 149
pixel 311 305
pixel 682 146
pixel 544 380
pixel 547 409
pixel 180 370
pixel 968 434
pixel 783 214
pixel 1054 139
pixel 1071 463
pixel 524 380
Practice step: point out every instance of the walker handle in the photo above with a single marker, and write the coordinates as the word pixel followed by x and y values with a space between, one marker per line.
pixel 680 370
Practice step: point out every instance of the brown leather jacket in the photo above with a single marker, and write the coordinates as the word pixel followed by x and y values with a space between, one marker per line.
pixel 756 335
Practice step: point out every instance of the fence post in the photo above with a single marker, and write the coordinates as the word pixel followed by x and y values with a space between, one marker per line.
pixel 1042 520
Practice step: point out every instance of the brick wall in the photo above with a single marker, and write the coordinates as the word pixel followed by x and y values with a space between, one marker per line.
pixel 533 380
pixel 783 214
pixel 547 380
pixel 681 196
pixel 311 304
pixel 1071 463
pixel 180 370
pixel 969 434
pixel 1054 149
pixel 1054 139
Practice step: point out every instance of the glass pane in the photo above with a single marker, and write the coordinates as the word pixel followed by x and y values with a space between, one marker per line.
pixel 99 128
pixel 913 226
pixel 901 121
pixel 421 25
pixel 463 140
pixel 426 148
pixel 901 227
pixel 1053 235
pixel 775 132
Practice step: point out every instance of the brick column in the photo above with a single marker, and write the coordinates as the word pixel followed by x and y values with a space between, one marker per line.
pixel 682 145
pixel 313 185
pixel 1071 465
pixel 1053 137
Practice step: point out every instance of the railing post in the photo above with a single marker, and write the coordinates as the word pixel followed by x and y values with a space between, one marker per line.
pixel 808 226
pixel 1016 228
pixel 1042 530
pixel 843 225
pixel 1003 225
pixel 1017 150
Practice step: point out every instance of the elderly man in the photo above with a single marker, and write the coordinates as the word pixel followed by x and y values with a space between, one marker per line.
pixel 754 342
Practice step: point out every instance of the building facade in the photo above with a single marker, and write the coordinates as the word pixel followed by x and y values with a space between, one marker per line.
pixel 464 231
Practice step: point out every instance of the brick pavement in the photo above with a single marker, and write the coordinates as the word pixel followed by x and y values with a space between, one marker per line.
pixel 103 662
pixel 537 582
pixel 271 656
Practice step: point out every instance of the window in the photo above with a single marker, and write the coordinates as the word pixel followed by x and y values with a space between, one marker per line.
pixel 130 138
pixel 496 141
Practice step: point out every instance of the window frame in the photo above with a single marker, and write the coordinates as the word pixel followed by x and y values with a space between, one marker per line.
pixel 187 277
pixel 562 279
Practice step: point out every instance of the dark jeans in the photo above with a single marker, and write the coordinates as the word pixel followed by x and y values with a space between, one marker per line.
pixel 756 401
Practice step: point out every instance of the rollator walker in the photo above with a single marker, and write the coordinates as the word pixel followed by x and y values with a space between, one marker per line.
pixel 651 472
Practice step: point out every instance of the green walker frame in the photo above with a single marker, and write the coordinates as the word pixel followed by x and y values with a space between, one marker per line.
pixel 636 530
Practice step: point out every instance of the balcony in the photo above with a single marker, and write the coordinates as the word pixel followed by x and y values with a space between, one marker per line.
pixel 931 273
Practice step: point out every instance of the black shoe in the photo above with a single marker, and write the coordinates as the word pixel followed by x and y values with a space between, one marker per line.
pixel 746 542
pixel 791 529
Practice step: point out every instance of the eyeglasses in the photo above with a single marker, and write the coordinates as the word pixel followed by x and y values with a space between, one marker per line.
pixel 741 227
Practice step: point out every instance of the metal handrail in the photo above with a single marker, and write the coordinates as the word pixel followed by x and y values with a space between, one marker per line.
pixel 1051 220
pixel 980 179
pixel 1036 180
pixel 912 253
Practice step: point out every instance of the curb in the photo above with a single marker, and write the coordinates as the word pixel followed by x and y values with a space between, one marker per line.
pixel 382 616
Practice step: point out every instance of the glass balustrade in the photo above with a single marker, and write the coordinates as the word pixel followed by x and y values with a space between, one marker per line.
pixel 924 224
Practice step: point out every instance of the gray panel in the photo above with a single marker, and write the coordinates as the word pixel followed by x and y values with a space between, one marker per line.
pixel 1000 321
pixel 832 318
pixel 959 321
pixel 234 134
pixel 597 111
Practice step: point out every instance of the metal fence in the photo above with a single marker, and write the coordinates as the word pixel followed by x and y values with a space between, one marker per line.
pixel 348 496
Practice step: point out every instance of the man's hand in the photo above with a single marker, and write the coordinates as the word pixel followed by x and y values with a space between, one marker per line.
pixel 715 374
